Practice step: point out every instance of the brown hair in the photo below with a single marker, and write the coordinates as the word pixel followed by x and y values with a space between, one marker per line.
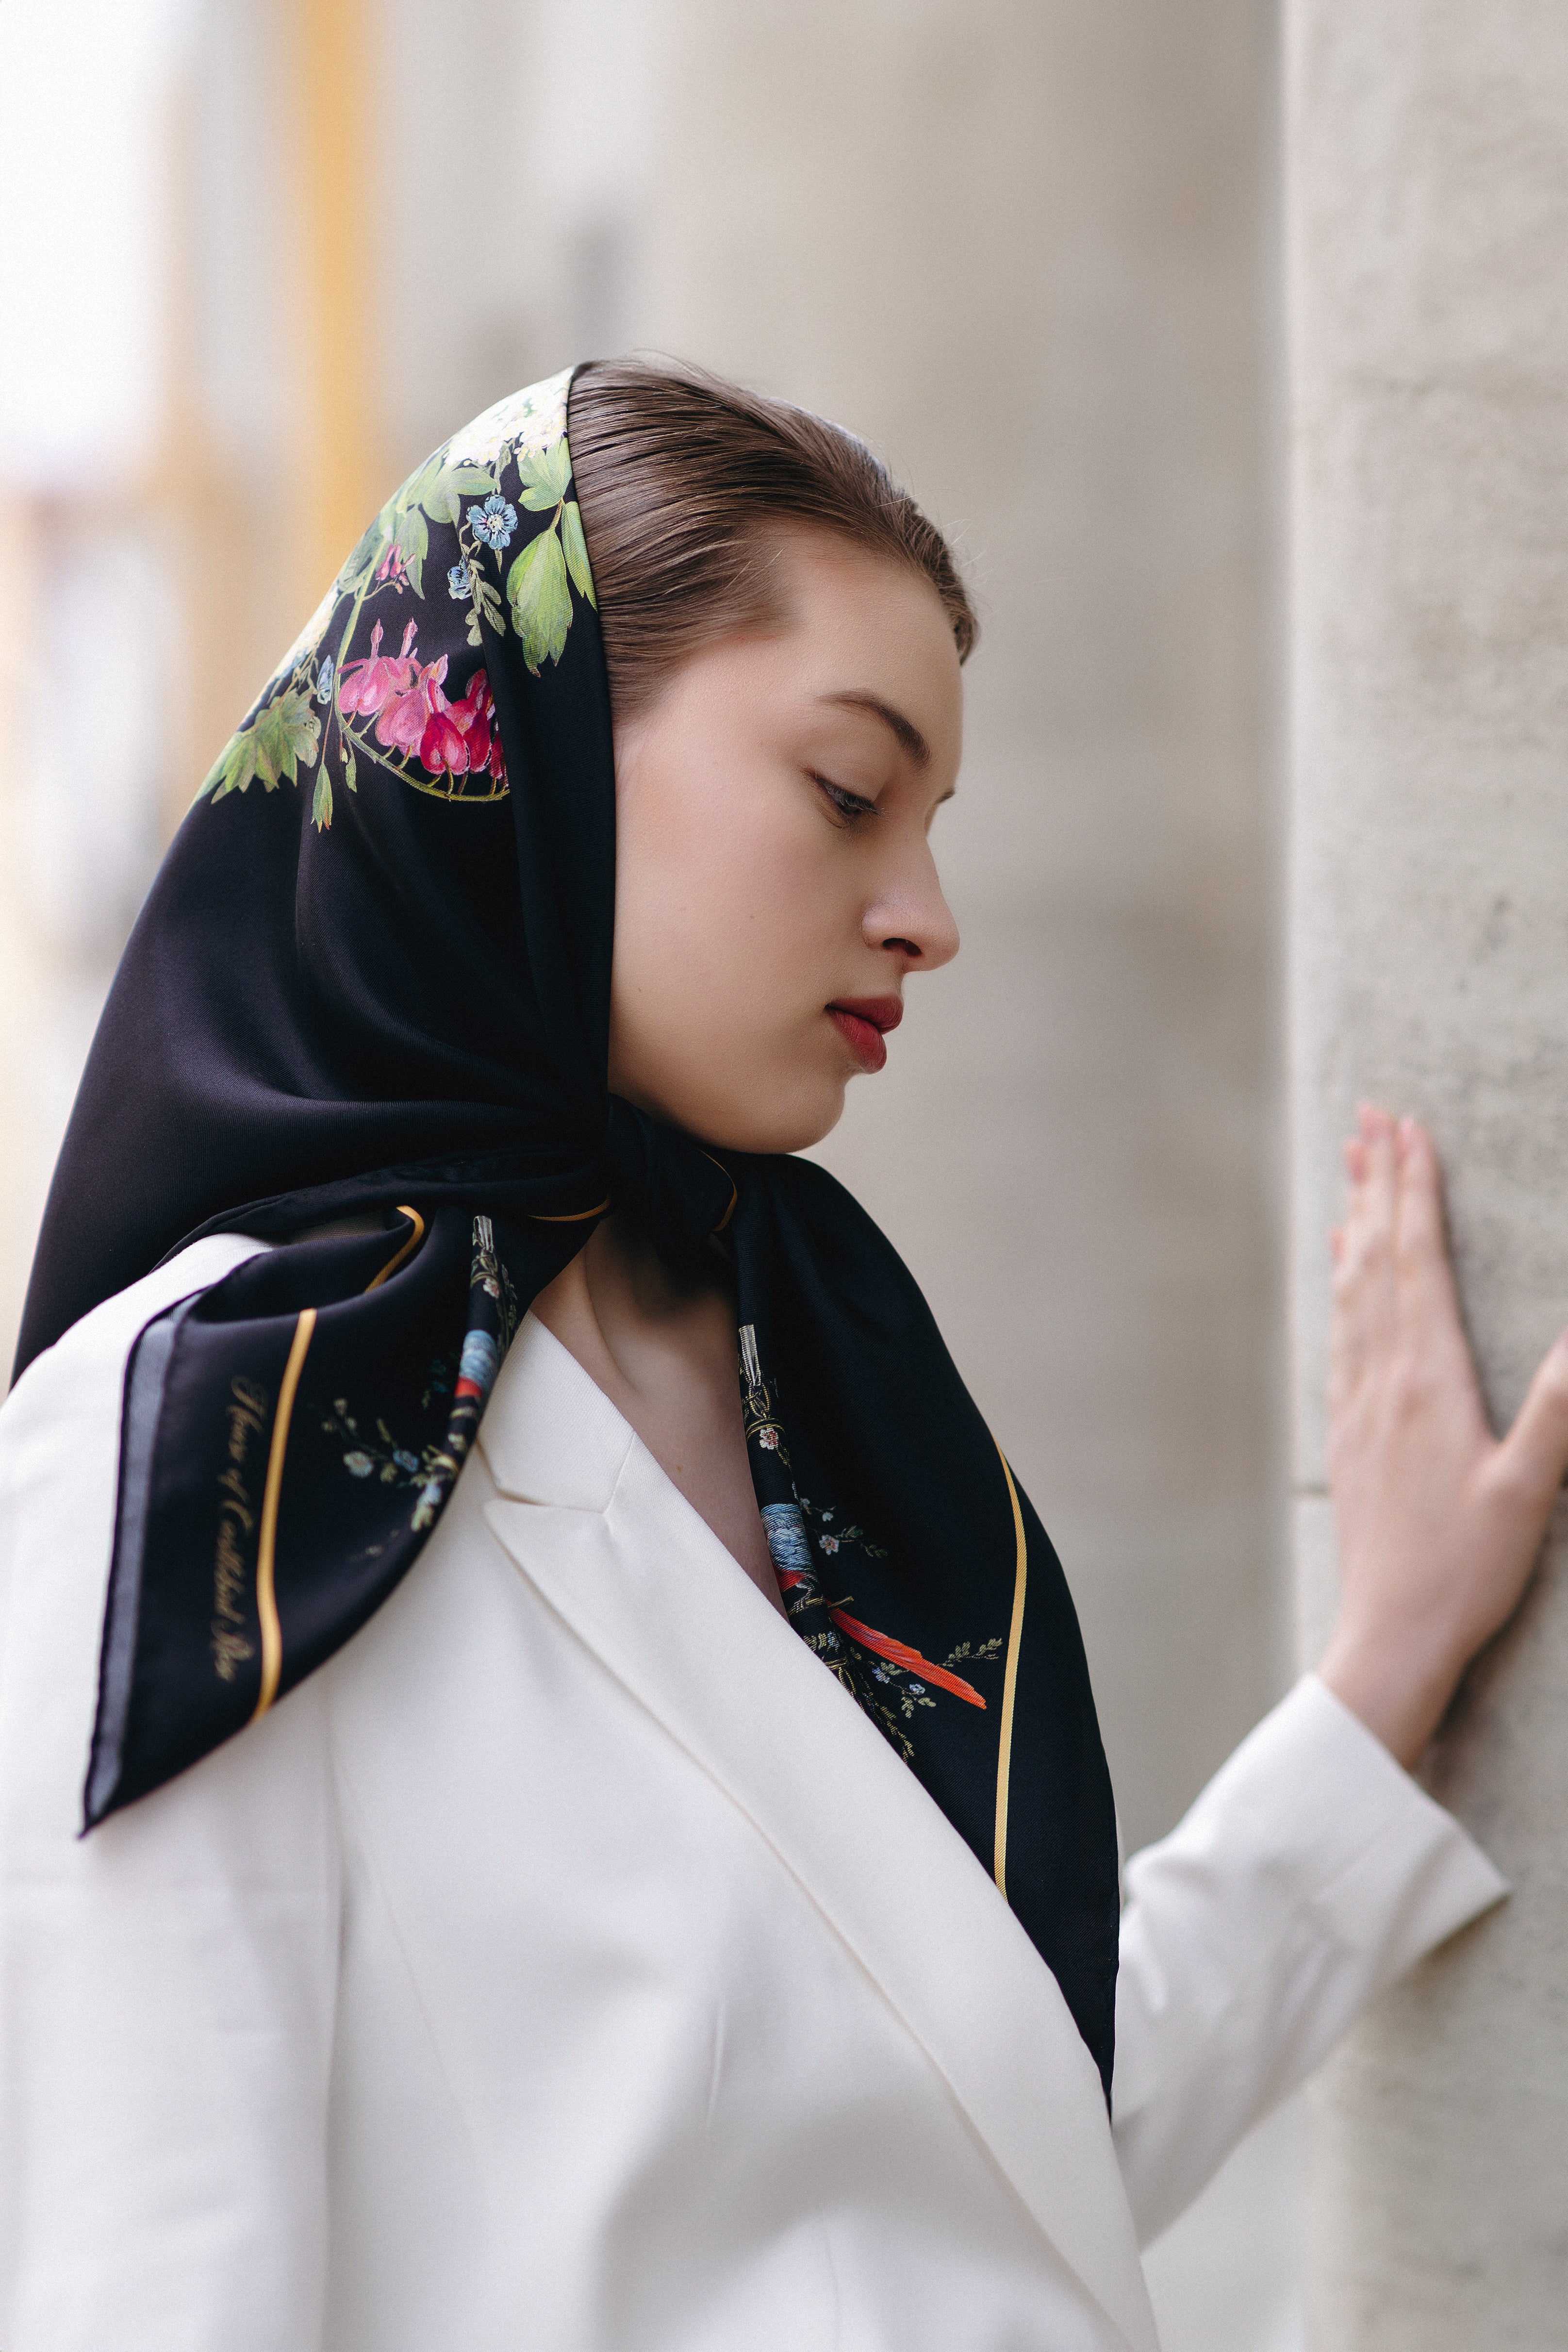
pixel 685 481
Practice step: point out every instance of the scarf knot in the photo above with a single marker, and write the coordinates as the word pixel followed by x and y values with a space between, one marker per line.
pixel 667 1185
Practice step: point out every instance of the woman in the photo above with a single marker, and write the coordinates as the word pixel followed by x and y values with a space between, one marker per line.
pixel 582 1851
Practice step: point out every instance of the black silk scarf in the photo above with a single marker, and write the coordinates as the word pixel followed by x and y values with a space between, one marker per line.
pixel 373 975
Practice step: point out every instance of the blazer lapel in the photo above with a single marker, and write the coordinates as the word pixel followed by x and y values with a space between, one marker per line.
pixel 614 1548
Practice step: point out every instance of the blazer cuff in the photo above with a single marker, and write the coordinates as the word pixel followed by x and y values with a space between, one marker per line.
pixel 1385 1868
pixel 1310 1873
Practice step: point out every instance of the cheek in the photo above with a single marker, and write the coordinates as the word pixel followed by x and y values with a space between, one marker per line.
pixel 730 926
pixel 718 892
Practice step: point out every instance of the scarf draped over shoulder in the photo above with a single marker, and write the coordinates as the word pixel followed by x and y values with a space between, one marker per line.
pixel 372 982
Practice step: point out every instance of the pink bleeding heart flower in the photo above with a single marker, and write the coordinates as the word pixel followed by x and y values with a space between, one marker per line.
pixel 365 686
pixel 405 716
pixel 442 747
pixel 475 713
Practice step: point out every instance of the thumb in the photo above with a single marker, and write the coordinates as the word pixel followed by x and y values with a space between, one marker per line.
pixel 1535 1451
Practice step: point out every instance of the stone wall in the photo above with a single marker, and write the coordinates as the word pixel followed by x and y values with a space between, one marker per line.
pixel 1428 172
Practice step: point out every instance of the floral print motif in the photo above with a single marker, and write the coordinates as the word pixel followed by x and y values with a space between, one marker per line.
pixel 328 707
pixel 889 1678
pixel 457 1398
pixel 494 522
pixel 493 1318
pixel 528 421
pixel 375 1453
pixel 414 718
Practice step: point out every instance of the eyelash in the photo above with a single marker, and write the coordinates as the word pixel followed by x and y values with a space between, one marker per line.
pixel 848 805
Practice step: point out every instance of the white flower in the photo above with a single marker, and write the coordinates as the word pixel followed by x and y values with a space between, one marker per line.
pixel 530 421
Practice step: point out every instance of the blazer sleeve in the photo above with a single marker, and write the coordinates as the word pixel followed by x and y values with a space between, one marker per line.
pixel 1309 1873
pixel 167 1984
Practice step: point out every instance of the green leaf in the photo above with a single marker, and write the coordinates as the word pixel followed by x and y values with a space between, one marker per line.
pixel 544 475
pixel 350 772
pixel 414 545
pixel 287 732
pixel 442 488
pixel 233 769
pixel 321 806
pixel 541 596
pixel 371 547
pixel 441 502
pixel 577 551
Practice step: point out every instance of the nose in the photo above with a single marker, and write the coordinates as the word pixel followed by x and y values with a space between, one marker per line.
pixel 912 917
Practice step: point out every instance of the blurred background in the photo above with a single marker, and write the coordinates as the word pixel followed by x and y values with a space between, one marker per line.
pixel 256 258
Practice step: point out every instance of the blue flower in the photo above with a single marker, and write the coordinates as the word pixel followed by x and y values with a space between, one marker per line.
pixel 406 1461
pixel 494 522
pixel 457 585
pixel 324 681
pixel 917 1690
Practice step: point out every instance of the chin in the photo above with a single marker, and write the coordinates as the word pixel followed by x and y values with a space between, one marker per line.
pixel 799 1118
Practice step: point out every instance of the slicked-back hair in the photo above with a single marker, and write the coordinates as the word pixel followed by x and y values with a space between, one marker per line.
pixel 686 484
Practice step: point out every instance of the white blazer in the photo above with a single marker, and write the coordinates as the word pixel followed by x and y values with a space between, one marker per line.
pixel 569 1964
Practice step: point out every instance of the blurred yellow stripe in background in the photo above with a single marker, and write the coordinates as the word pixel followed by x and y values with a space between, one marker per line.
pixel 338 483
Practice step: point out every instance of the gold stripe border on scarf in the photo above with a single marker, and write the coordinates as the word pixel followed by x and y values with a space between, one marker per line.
pixel 572 1217
pixel 734 1193
pixel 266 1544
pixel 405 1248
pixel 1011 1681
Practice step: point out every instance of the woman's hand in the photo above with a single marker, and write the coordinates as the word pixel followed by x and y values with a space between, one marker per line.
pixel 1439 1524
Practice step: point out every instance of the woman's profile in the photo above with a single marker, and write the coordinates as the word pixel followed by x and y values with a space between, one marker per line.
pixel 549 1790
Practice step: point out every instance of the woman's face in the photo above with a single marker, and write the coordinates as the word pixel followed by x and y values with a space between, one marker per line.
pixel 774 877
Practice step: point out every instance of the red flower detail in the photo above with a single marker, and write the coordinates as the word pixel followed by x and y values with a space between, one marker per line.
pixel 901 1655
pixel 442 747
pixel 413 714
pixel 475 714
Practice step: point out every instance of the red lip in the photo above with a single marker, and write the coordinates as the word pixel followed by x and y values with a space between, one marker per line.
pixel 861 1021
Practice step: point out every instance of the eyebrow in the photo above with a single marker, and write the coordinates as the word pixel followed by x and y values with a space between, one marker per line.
pixel 908 734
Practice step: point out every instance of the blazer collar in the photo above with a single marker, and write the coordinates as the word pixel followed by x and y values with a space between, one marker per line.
pixel 645 1584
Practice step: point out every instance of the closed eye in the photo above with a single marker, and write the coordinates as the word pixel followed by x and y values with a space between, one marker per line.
pixel 849 806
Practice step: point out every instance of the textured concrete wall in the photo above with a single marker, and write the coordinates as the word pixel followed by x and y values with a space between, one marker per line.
pixel 1427 144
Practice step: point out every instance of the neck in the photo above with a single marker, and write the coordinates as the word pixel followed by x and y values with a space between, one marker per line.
pixel 642 1310
pixel 663 1348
